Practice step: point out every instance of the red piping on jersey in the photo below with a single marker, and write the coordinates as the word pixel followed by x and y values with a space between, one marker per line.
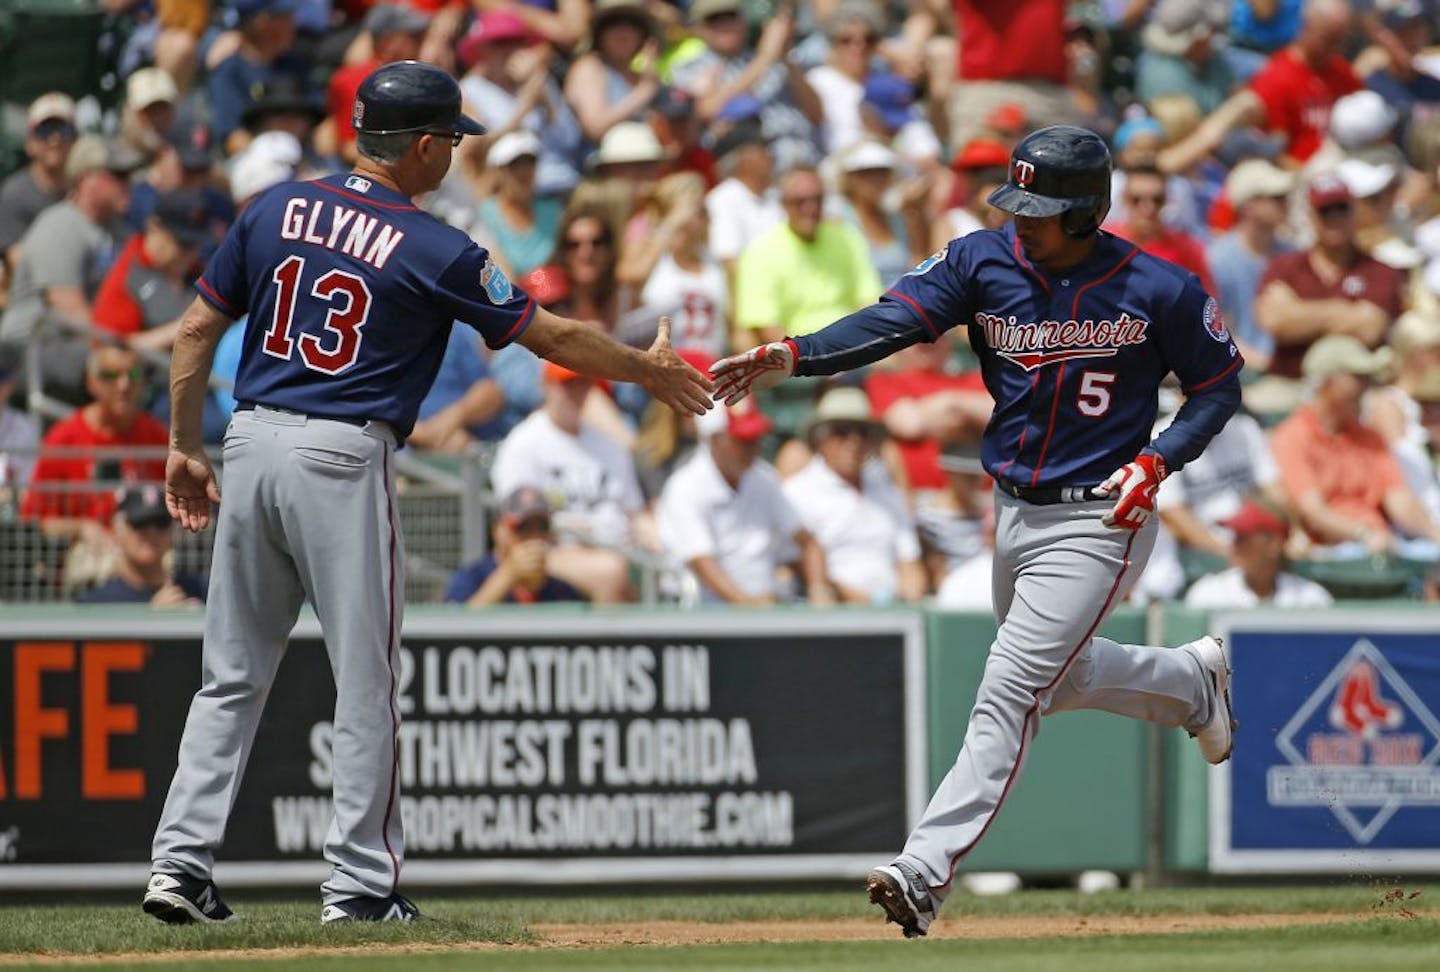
pixel 1075 308
pixel 1239 360
pixel 390 661
pixel 794 355
pixel 365 199
pixel 1035 709
pixel 525 317
pixel 1023 429
pixel 1020 259
pixel 209 291
pixel 1050 427
pixel 920 311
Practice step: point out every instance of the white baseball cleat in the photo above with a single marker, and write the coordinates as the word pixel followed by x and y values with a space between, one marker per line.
pixel 1216 737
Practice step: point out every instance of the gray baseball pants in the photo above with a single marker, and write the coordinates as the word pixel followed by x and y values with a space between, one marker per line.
pixel 1058 572
pixel 308 513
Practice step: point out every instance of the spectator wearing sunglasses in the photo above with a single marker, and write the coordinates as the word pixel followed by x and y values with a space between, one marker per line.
pixel 1144 198
pixel 49 135
pixel 1331 288
pixel 73 490
pixel 142 572
pixel 845 498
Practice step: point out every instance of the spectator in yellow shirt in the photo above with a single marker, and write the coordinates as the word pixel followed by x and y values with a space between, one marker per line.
pixel 803 273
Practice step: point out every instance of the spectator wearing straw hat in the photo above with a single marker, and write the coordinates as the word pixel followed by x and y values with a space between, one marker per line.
pixel 895 227
pixel 49 135
pixel 845 499
pixel 149 112
pixel 1258 577
pixel 1396 408
pixel 1339 475
pixel 724 516
pixel 1257 191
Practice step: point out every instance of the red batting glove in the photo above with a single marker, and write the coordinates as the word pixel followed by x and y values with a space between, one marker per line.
pixel 753 370
pixel 1134 486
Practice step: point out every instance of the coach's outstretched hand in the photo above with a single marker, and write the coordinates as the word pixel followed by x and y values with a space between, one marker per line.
pixel 754 370
pixel 190 488
pixel 672 380
pixel 1134 486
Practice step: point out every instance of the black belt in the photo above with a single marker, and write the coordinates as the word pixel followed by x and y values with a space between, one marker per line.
pixel 347 419
pixel 1048 495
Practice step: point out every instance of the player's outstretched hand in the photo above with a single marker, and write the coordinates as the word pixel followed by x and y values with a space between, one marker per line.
pixel 672 380
pixel 1133 485
pixel 753 370
pixel 190 488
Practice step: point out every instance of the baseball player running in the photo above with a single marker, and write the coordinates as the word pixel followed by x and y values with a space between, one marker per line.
pixel 1075 329
pixel 350 292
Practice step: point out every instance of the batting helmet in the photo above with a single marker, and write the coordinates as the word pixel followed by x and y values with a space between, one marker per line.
pixel 1059 170
pixel 408 96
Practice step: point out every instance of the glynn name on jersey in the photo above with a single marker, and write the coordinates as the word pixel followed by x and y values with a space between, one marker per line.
pixel 1036 343
pixel 340 228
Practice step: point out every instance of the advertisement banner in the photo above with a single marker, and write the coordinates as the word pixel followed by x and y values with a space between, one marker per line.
pixel 1337 761
pixel 533 748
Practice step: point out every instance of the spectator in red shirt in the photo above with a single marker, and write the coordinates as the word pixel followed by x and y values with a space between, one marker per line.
pixel 1008 51
pixel 72 492
pixel 396 33
pixel 922 405
pixel 1331 288
pixel 146 289
pixel 1292 95
pixel 1301 82
pixel 1144 197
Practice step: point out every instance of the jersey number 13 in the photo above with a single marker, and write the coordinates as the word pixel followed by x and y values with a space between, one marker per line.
pixel 348 305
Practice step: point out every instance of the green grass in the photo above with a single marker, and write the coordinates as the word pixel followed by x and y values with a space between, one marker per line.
pixel 1378 940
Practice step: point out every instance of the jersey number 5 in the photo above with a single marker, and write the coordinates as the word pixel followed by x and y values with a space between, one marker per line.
pixel 1094 396
pixel 349 305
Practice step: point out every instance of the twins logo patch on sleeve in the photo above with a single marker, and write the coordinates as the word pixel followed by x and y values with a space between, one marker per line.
pixel 1214 322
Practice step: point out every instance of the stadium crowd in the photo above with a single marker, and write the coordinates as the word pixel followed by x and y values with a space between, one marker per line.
pixel 754 169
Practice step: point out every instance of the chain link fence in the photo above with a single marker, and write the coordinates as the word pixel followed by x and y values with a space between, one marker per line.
pixel 442 521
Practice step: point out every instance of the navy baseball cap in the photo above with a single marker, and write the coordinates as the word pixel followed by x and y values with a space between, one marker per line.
pixel 192 142
pixel 523 503
pixel 143 506
pixel 184 215
pixel 245 9
pixel 892 97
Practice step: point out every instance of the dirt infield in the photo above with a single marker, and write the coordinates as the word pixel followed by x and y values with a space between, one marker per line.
pixel 672 933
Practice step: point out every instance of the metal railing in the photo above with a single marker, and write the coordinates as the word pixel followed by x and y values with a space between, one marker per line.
pixel 445 505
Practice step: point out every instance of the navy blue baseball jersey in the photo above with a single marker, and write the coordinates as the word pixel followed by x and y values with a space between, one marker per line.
pixel 1073 360
pixel 351 293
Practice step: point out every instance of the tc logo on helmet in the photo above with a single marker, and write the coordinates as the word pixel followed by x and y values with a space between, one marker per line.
pixel 1024 173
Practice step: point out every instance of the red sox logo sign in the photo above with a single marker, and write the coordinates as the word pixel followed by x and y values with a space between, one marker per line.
pixel 1024 173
